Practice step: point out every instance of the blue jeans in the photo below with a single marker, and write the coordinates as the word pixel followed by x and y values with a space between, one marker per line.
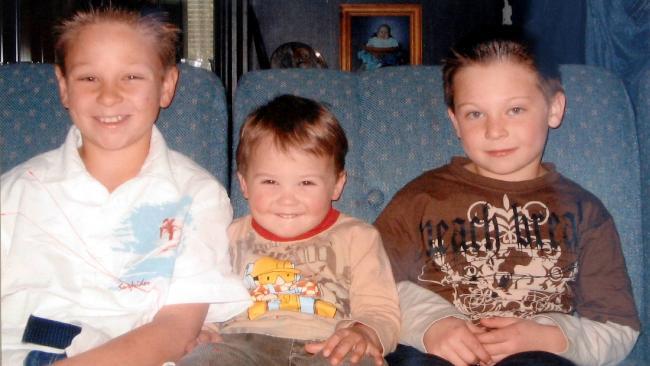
pixel 40 358
pixel 409 356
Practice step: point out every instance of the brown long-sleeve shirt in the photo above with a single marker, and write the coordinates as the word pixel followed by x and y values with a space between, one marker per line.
pixel 495 248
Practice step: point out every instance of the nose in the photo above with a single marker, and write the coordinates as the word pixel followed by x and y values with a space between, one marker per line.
pixel 495 129
pixel 287 196
pixel 109 94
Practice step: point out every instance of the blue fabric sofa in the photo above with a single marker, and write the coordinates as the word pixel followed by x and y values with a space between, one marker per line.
pixel 397 125
pixel 396 121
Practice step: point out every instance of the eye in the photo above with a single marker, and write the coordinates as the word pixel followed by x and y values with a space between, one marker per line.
pixel 268 181
pixel 307 183
pixel 133 77
pixel 516 110
pixel 87 78
pixel 473 115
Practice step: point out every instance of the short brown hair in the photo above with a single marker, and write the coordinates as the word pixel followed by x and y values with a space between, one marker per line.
pixel 293 122
pixel 163 34
pixel 493 44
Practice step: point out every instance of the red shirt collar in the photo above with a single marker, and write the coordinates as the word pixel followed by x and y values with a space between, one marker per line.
pixel 327 222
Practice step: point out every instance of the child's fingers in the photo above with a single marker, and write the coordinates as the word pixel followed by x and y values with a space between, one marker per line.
pixel 376 355
pixel 483 355
pixel 209 338
pixel 209 334
pixel 498 357
pixel 314 347
pixel 331 343
pixel 492 337
pixel 475 329
pixel 205 336
pixel 467 355
pixel 346 346
pixel 456 341
pixel 464 352
pixel 501 346
pixel 456 359
pixel 498 322
pixel 478 353
pixel 354 354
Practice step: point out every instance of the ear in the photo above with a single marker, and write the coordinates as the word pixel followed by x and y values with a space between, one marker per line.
pixel 242 185
pixel 168 86
pixel 338 186
pixel 454 121
pixel 556 110
pixel 63 85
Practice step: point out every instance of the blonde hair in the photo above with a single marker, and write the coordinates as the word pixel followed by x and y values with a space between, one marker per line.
pixel 293 122
pixel 163 34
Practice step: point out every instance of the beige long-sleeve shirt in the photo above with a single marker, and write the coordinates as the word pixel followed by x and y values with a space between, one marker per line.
pixel 307 288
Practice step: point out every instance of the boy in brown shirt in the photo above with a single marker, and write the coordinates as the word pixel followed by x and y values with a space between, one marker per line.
pixel 498 257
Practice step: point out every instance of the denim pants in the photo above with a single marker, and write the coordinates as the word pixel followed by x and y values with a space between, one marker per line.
pixel 409 356
pixel 40 358
pixel 257 349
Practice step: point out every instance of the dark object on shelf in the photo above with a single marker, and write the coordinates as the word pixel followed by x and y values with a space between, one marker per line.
pixel 296 55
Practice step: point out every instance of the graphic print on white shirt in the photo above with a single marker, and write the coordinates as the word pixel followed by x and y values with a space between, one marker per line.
pixel 153 248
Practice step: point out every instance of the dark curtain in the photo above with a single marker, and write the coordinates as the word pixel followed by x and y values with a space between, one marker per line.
pixel 618 38
pixel 559 27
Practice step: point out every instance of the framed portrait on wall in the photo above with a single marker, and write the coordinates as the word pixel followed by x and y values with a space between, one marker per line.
pixel 380 35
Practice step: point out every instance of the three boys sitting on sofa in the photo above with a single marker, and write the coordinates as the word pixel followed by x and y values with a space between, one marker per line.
pixel 494 254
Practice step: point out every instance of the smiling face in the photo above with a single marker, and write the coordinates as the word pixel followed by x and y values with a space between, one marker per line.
pixel 113 86
pixel 289 193
pixel 502 117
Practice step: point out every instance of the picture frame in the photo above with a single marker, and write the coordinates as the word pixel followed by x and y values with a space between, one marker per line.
pixel 364 43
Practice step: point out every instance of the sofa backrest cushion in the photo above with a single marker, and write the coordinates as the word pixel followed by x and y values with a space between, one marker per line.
pixel 33 118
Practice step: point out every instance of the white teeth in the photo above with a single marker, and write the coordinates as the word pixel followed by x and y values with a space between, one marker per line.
pixel 287 216
pixel 111 119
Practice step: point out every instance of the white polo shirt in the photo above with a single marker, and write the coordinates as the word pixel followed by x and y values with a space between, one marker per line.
pixel 73 252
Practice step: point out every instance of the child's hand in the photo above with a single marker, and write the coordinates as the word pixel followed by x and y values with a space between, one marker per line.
pixel 456 341
pixel 355 341
pixel 507 336
pixel 208 334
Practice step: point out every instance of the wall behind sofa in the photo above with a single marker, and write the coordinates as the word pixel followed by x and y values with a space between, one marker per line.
pixel 316 22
